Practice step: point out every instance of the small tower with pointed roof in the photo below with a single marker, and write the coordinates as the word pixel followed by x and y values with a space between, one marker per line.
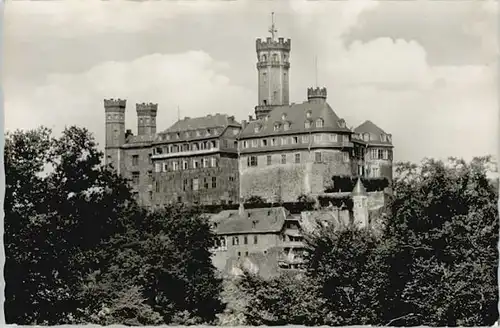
pixel 360 205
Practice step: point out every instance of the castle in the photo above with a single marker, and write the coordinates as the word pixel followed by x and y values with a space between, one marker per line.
pixel 284 152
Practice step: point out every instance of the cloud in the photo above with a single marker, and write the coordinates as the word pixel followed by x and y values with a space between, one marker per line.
pixel 193 81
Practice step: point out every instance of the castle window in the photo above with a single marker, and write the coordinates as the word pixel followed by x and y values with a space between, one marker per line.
pixel 265 102
pixel 184 165
pixel 205 183
pixel 333 137
pixel 135 177
pixel 178 135
pixel 246 253
pixel 385 154
pixel 283 159
pixel 345 138
pixel 269 159
pixel 213 144
pixel 175 166
pixel 295 140
pixel 165 167
pixel 346 156
pixel 287 126
pixel 389 138
pixel 195 146
pixel 264 142
pixel 205 162
pixel 284 140
pixel 317 138
pixel 255 239
pixel 341 123
pixel 185 147
pixel 275 58
pixel 245 144
pixel 195 184
pixel 185 185
pixel 305 139
pixel 187 134
pixel 257 128
pixel 158 150
pixel 273 142
pixel 236 144
pixel 283 116
pixel 255 143
pixel 198 133
pixel 231 178
pixel 319 123
pixel 213 161
pixel 135 160
pixel 373 153
pixel 375 172
pixel 297 158
pixel 214 182
pixel 208 132
pixel 252 161
pixel 245 240
pixel 157 167
pixel 317 157
pixel 366 137
pixel 307 124
pixel 380 154
pixel 196 164
pixel 150 161
pixel 383 138
pixel 263 58
pixel 236 241
pixel 276 127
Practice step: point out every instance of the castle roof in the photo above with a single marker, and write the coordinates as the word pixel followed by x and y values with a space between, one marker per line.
pixel 208 126
pixel 359 189
pixel 138 141
pixel 255 220
pixel 371 134
pixel 296 115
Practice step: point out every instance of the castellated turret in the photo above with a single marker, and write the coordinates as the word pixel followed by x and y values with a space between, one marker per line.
pixel 316 95
pixel 146 118
pixel 273 66
pixel 115 131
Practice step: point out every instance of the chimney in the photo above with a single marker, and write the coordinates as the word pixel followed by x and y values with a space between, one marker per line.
pixel 250 118
pixel 243 124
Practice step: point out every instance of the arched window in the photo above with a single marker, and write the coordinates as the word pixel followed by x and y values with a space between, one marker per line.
pixel 319 123
pixel 263 58
pixel 275 58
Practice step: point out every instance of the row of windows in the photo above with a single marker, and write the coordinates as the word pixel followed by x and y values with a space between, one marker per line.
pixel 380 154
pixel 198 133
pixel 186 165
pixel 274 58
pixel 367 137
pixel 195 184
pixel 293 140
pixel 318 158
pixel 319 123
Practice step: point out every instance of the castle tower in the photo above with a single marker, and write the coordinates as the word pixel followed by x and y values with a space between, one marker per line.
pixel 360 205
pixel 316 95
pixel 115 131
pixel 272 66
pixel 146 118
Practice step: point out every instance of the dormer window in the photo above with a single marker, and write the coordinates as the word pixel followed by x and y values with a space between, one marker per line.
pixel 208 132
pixel 187 134
pixel 198 133
pixel 178 135
pixel 366 137
pixel 283 116
pixel 266 118
pixel 308 114
pixel 307 124
pixel 389 138
pixel 287 126
pixel 167 136
pixel 276 127
pixel 257 128
pixel 341 123
pixel 319 123
pixel 383 137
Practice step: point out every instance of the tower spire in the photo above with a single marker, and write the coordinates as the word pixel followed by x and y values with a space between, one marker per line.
pixel 272 28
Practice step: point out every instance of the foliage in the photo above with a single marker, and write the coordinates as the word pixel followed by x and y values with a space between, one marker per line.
pixel 342 183
pixel 255 200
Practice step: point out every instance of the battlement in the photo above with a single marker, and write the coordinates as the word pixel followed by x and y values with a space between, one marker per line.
pixel 316 93
pixel 108 103
pixel 149 107
pixel 270 44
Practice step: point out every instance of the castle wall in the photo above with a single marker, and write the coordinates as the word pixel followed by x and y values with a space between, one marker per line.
pixel 177 186
pixel 144 168
pixel 286 182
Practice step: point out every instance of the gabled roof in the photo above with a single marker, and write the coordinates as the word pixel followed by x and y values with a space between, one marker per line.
pixel 216 123
pixel 296 115
pixel 375 134
pixel 256 220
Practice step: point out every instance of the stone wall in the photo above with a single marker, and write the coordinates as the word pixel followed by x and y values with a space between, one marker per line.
pixel 144 168
pixel 286 182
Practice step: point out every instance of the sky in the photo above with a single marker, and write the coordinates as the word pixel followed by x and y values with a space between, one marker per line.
pixel 424 71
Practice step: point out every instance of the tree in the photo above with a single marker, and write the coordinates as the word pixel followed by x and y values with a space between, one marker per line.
pixel 61 206
pixel 443 236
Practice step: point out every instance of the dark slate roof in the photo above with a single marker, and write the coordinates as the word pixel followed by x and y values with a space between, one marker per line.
pixel 374 132
pixel 266 220
pixel 296 115
pixel 217 121
pixel 359 189
pixel 138 141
